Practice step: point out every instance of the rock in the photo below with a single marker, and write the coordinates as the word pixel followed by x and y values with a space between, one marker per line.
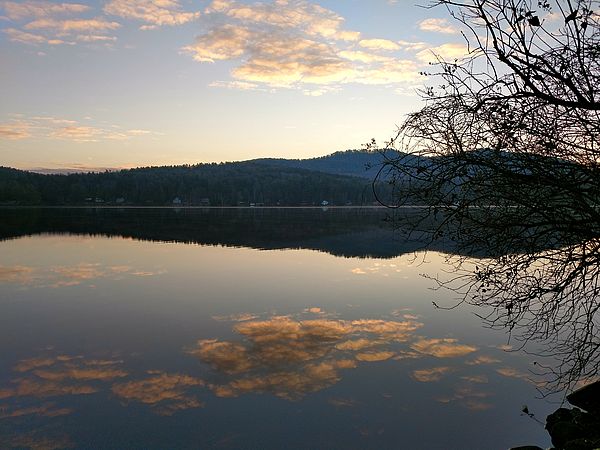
pixel 586 398
pixel 573 429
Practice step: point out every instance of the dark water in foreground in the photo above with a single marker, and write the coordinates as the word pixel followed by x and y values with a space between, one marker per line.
pixel 252 329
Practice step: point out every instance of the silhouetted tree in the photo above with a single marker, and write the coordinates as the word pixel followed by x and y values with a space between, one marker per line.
pixel 505 155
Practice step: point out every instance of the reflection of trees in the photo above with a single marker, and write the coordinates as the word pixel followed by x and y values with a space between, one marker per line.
pixel 505 157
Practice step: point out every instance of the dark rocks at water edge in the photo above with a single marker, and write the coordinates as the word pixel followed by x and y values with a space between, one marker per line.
pixel 574 429
pixel 587 398
pixel 577 428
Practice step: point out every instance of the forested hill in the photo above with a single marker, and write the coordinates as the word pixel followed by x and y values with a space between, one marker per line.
pixel 358 163
pixel 225 184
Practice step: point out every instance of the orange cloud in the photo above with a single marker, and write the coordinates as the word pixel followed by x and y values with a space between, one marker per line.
pixel 292 43
pixel 36 8
pixel 447 52
pixel 379 44
pixel 51 24
pixel 313 19
pixel 68 26
pixel 154 12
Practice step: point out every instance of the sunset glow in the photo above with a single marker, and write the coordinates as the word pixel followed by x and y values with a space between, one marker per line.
pixel 120 83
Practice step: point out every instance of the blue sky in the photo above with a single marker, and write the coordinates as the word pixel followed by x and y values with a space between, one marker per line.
pixel 124 83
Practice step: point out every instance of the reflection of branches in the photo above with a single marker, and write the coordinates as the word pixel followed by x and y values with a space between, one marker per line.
pixel 551 297
pixel 505 157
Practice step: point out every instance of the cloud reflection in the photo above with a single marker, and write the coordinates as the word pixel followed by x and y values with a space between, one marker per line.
pixel 36 440
pixel 291 358
pixel 47 410
pixel 442 348
pixel 431 375
pixel 60 375
pixel 64 276
pixel 165 393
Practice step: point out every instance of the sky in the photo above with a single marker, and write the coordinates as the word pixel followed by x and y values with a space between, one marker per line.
pixel 128 83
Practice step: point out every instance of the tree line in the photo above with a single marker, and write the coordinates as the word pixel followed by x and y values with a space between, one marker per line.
pixel 224 184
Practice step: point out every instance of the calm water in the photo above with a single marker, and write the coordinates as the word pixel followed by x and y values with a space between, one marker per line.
pixel 252 329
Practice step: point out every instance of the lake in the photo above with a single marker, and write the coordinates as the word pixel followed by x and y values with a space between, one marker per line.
pixel 245 329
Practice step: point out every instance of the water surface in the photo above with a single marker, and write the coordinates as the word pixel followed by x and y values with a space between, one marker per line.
pixel 245 328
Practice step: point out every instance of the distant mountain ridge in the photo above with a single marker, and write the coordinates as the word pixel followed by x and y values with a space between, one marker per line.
pixel 356 163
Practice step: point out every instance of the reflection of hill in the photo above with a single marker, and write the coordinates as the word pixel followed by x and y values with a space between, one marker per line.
pixel 348 232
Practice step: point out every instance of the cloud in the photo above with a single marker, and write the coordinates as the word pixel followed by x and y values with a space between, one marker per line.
pixel 23 37
pixel 379 44
pixel 241 317
pixel 447 52
pixel 364 57
pixel 154 12
pixel 84 133
pixel 37 9
pixel 274 58
pixel 294 43
pixel 67 129
pixel 442 348
pixel 95 38
pixel 68 26
pixel 238 85
pixel 52 24
pixel 313 19
pixel 14 130
pixel 437 26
